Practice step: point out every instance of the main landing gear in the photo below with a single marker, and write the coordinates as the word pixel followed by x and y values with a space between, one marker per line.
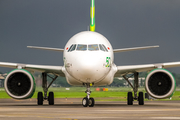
pixel 87 101
pixel 50 98
pixel 130 98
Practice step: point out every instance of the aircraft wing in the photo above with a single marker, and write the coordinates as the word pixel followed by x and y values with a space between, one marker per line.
pixel 31 67
pixel 123 70
pixel 46 48
pixel 133 49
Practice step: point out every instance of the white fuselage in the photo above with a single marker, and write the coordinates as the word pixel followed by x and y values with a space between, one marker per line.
pixel 88 58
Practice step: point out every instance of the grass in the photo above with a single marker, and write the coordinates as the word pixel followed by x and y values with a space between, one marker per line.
pixel 113 93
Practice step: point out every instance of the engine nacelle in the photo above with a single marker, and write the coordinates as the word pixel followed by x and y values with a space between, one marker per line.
pixel 20 84
pixel 160 84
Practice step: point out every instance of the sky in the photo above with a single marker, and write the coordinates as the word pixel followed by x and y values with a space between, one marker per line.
pixel 125 23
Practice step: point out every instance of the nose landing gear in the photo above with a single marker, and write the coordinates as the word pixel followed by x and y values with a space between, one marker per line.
pixel 87 101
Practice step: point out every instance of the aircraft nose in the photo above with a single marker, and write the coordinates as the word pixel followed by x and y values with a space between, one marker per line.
pixel 88 68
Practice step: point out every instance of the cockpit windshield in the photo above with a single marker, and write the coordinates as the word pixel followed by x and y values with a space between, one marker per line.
pixel 90 47
pixel 81 47
pixel 72 48
pixel 101 48
pixel 104 47
pixel 93 47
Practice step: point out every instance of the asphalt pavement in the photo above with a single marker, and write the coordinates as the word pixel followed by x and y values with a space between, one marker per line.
pixel 71 109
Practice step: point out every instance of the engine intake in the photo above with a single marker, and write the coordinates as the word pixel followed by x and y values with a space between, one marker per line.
pixel 160 84
pixel 19 84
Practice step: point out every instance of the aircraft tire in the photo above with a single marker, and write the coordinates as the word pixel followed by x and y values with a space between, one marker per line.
pixel 91 102
pixel 51 98
pixel 85 102
pixel 141 98
pixel 129 98
pixel 40 98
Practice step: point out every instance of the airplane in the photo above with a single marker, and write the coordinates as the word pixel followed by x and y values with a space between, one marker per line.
pixel 89 61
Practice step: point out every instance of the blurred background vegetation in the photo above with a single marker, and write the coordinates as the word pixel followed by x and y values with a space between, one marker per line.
pixel 118 82
pixel 117 91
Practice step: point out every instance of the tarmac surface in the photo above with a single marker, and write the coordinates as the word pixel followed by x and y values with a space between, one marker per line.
pixel 71 109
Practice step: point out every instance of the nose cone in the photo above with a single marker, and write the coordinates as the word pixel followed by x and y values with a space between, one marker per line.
pixel 88 66
pixel 89 69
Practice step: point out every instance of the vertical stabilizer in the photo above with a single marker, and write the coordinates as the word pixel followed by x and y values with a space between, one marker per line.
pixel 92 16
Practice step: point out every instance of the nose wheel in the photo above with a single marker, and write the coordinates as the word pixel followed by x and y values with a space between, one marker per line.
pixel 87 101
pixel 91 102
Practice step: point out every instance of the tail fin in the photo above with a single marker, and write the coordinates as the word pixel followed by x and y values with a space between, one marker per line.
pixel 92 16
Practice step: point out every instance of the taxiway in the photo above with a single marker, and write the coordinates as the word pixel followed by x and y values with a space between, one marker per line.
pixel 71 109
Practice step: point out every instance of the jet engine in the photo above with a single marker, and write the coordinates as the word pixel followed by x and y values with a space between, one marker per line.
pixel 20 84
pixel 160 84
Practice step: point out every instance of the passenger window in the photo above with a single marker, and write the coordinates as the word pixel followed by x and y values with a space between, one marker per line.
pixel 105 48
pixel 70 48
pixel 81 47
pixel 73 48
pixel 93 47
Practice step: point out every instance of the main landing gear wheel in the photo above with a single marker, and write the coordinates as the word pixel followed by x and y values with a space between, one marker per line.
pixel 51 98
pixel 45 86
pixel 91 102
pixel 40 98
pixel 130 98
pixel 85 102
pixel 141 98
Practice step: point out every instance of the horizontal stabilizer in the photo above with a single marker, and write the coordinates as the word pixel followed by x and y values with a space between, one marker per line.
pixel 46 48
pixel 133 49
